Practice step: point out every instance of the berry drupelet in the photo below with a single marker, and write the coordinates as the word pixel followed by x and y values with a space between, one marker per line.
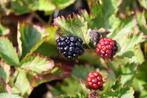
pixel 95 81
pixel 70 46
pixel 106 48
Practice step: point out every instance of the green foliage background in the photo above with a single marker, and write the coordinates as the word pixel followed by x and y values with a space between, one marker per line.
pixel 29 55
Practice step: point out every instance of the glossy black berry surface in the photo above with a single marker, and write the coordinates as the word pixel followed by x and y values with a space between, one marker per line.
pixel 70 46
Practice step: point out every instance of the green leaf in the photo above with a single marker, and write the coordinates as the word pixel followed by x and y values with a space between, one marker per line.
pixel 6 95
pixel 81 74
pixel 8 52
pixel 90 56
pixel 102 14
pixel 22 83
pixel 143 3
pixel 4 72
pixel 126 78
pixel 60 4
pixel 141 20
pixel 45 5
pixel 52 34
pixel 120 93
pixel 128 94
pixel 19 6
pixel 126 37
pixel 69 86
pixel 138 84
pixel 74 26
pixel 118 62
pixel 111 79
pixel 25 6
pixel 129 48
pixel 37 64
pixel 3 30
pixel 141 73
pixel 49 48
pixel 128 40
pixel 29 37
pixel 78 95
pixel 138 55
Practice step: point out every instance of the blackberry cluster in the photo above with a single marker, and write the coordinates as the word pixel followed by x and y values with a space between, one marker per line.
pixel 70 46
pixel 106 48
pixel 95 81
pixel 95 36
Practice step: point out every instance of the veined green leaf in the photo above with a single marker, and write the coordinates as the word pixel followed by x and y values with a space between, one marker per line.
pixel 128 40
pixel 138 55
pixel 74 26
pixel 8 52
pixel 29 37
pixel 22 83
pixel 37 64
pixel 120 93
pixel 128 94
pixel 102 14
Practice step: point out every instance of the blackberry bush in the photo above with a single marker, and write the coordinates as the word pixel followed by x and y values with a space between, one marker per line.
pixel 29 62
pixel 70 46
pixel 106 48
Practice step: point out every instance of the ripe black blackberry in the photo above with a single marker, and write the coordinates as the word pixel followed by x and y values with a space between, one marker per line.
pixel 70 46
pixel 106 48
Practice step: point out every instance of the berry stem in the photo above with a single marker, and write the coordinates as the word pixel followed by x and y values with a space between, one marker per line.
pixel 109 68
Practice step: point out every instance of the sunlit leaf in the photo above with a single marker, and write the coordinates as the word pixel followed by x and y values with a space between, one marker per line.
pixel 37 64
pixel 45 5
pixel 143 3
pixel 60 4
pixel 121 93
pixel 8 52
pixel 74 26
pixel 22 83
pixel 3 30
pixel 49 48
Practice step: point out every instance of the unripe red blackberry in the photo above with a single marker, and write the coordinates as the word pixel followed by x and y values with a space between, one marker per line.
pixel 95 81
pixel 70 46
pixel 106 48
